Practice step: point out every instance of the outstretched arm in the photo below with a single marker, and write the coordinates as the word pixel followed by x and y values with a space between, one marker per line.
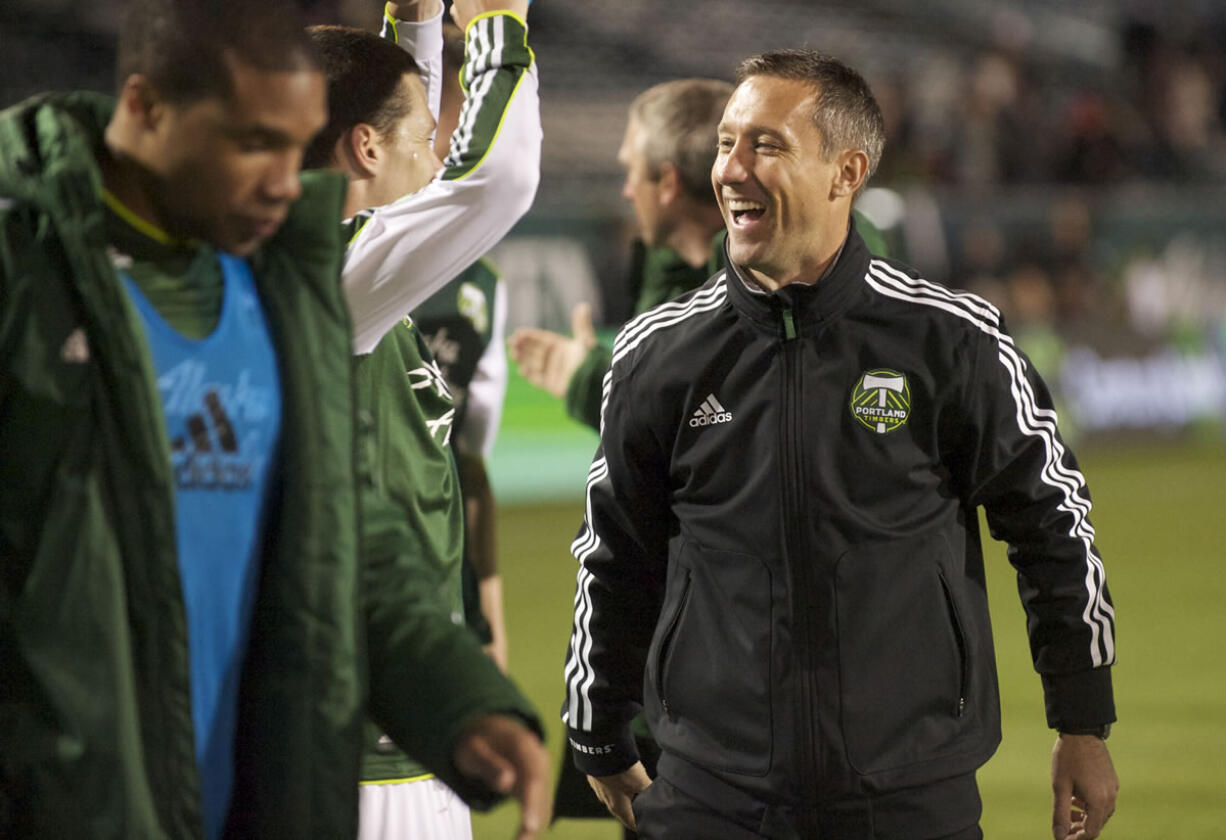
pixel 548 359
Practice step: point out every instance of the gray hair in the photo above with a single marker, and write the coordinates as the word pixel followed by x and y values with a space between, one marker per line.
pixel 678 122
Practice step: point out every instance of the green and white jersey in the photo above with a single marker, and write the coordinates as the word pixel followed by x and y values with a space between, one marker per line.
pixel 464 325
pixel 401 253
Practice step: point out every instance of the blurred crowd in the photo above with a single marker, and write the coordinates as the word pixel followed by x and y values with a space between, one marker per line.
pixel 1004 117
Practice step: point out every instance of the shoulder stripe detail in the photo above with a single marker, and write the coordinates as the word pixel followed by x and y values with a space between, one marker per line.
pixel 973 304
pixel 667 315
pixel 1033 421
pixel 663 316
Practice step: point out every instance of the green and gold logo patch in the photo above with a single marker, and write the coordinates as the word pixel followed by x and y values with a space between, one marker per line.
pixel 881 400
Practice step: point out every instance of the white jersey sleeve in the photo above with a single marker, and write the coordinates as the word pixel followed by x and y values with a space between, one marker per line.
pixel 424 41
pixel 403 252
pixel 488 388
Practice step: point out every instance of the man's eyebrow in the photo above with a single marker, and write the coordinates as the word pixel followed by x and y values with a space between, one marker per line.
pixel 266 133
pixel 757 129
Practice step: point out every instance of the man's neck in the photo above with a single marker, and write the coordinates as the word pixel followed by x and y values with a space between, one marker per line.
pixel 808 273
pixel 691 239
pixel 357 195
pixel 127 180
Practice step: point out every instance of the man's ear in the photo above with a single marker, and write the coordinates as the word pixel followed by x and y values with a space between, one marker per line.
pixel 140 102
pixel 669 183
pixel 361 148
pixel 851 172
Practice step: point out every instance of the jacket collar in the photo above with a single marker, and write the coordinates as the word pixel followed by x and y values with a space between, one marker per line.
pixel 809 306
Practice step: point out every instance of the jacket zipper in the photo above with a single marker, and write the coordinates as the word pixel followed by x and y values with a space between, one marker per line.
pixel 666 644
pixel 797 563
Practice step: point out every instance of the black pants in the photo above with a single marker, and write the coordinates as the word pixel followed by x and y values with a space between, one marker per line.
pixel 665 813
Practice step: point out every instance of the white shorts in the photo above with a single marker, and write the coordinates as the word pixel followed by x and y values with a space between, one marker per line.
pixel 425 809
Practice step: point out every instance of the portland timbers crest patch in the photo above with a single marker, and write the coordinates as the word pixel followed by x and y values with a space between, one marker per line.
pixel 881 400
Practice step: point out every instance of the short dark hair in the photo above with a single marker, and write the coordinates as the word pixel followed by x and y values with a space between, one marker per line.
pixel 844 108
pixel 678 121
pixel 365 75
pixel 182 46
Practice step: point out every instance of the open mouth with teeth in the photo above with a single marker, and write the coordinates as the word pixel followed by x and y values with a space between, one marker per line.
pixel 744 211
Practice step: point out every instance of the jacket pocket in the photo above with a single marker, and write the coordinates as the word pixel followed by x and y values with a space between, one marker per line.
pixel 904 663
pixel 955 623
pixel 666 646
pixel 708 685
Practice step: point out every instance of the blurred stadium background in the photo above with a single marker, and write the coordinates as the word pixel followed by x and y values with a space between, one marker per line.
pixel 1066 160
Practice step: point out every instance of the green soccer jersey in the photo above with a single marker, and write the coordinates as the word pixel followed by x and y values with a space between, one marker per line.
pixel 463 325
pixel 403 395
pixel 398 256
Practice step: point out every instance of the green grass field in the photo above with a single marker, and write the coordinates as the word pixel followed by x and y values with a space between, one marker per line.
pixel 1161 519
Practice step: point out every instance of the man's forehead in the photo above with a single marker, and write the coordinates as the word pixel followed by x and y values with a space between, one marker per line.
pixel 633 141
pixel 284 99
pixel 768 103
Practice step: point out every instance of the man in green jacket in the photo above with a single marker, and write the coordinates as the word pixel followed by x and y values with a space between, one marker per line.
pixel 187 633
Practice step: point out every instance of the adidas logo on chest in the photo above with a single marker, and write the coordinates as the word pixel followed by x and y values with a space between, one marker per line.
pixel 710 413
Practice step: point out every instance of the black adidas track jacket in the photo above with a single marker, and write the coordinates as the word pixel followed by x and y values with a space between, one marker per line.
pixel 780 558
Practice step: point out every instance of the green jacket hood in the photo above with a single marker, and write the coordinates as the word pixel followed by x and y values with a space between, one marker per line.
pixel 47 148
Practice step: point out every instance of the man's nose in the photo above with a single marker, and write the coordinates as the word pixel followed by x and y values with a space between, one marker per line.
pixel 730 167
pixel 281 182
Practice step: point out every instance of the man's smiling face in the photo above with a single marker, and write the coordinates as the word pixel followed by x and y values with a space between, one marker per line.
pixel 773 181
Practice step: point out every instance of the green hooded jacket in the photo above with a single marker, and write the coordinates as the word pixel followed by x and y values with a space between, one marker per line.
pixel 96 732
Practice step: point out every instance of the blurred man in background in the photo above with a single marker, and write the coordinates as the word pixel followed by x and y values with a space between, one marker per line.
pixel 781 558
pixel 666 155
pixel 412 222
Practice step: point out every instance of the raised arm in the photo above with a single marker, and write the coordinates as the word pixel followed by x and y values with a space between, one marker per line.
pixel 417 27
pixel 405 251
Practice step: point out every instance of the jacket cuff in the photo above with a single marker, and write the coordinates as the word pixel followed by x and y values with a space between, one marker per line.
pixel 1080 700
pixel 585 390
pixel 603 755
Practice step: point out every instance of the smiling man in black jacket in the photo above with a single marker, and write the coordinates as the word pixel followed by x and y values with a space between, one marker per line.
pixel 781 557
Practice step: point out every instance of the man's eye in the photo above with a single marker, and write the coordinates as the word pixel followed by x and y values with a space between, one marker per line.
pixel 253 144
pixel 724 143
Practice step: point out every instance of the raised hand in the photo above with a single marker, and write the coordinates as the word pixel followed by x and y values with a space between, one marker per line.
pixel 547 359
